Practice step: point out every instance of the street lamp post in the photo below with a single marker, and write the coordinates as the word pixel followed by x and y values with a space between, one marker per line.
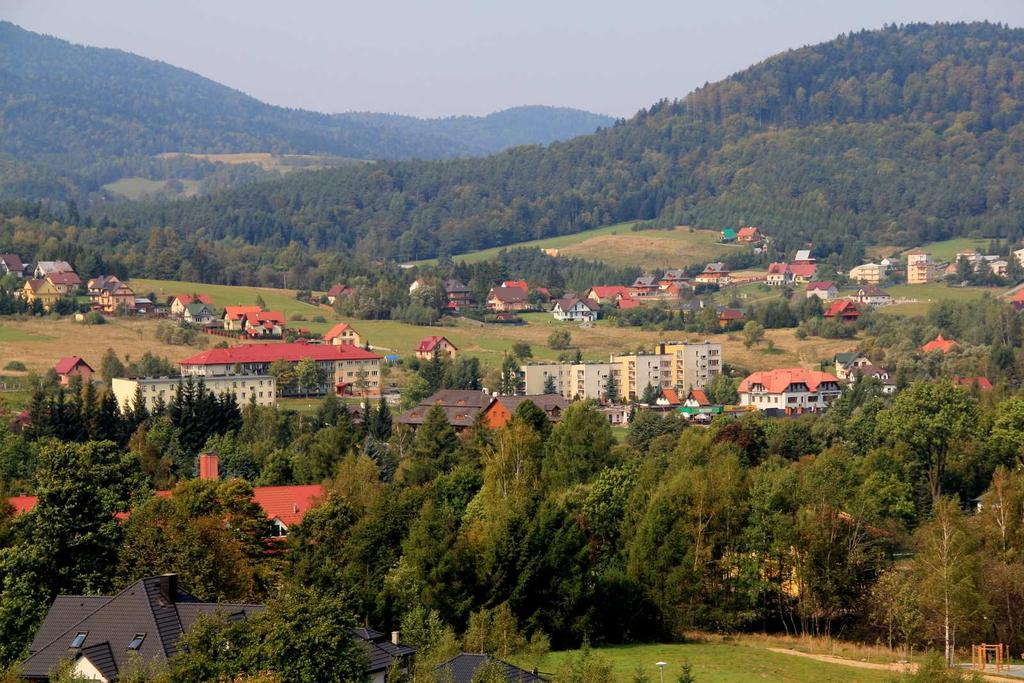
pixel 661 671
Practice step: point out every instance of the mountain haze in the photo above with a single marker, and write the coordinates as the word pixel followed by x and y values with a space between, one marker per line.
pixel 66 108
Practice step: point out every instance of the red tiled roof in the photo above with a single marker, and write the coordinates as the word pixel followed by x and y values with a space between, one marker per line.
pixel 428 343
pixel 265 317
pixel 626 303
pixel 187 299
pixel 13 262
pixel 940 343
pixel 286 503
pixel 777 381
pixel 64 278
pixel 66 365
pixel 803 269
pixel 508 294
pixel 747 232
pixel 842 307
pixel 670 396
pixel 982 382
pixel 699 396
pixel 268 353
pixel 609 291
pixel 239 312
pixel 824 284
pixel 730 314
pixel 517 284
pixel 777 268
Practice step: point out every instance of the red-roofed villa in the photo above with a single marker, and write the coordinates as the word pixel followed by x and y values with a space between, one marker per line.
pixel 66 368
pixel 940 343
pixel 792 390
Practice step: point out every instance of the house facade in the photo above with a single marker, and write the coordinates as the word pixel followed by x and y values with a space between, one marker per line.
pixel 44 268
pixel 199 314
pixel 502 408
pixel 573 309
pixel 73 366
pixel 11 264
pixel 826 291
pixel 844 310
pixel 872 295
pixel 749 235
pixel 116 297
pixel 179 302
pixel 245 388
pixel 508 300
pixel 792 390
pixel 65 282
pixel 40 289
pixel 343 333
pixel 234 317
pixel 428 346
pixel 867 273
pixel 608 294
pixel 714 274
pixel 779 275
pixel 920 268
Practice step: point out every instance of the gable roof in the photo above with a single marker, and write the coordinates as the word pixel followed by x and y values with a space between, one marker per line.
pixel 569 302
pixel 428 344
pixel 648 281
pixel 670 396
pixel 699 396
pixel 69 363
pixel 197 308
pixel 508 294
pixel 716 267
pixel 983 383
pixel 802 269
pixel 337 331
pixel 48 267
pixel 187 299
pixel 777 381
pixel 13 262
pixel 239 312
pixel 729 233
pixel 676 274
pixel 730 314
pixel 824 284
pixel 460 406
pixel 517 284
pixel 873 291
pixel 778 268
pixel 462 667
pixel 453 286
pixel 287 503
pixel 149 606
pixel 940 343
pixel 749 231
pixel 842 307
pixel 608 291
pixel 803 255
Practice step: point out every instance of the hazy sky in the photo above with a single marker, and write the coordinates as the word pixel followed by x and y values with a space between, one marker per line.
pixel 441 57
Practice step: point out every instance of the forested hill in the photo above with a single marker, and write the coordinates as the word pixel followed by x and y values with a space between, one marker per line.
pixel 67 107
pixel 899 135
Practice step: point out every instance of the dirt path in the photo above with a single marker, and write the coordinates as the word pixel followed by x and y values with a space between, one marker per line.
pixel 894 666
pixel 902 667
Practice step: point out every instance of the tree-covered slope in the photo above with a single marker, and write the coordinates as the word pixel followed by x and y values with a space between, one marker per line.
pixel 74 109
pixel 903 134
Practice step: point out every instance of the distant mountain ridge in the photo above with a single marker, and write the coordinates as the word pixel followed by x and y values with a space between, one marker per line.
pixel 68 109
pixel 904 135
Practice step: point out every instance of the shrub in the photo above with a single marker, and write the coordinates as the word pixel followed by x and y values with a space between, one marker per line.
pixel 15 365
pixel 318 319
pixel 94 318
pixel 298 317
pixel 560 339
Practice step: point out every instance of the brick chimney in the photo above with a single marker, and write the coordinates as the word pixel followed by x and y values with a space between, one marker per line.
pixel 169 588
pixel 209 466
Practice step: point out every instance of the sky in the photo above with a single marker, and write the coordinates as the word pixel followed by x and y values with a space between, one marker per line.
pixel 447 57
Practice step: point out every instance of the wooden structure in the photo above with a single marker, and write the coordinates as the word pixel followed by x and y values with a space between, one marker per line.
pixel 984 654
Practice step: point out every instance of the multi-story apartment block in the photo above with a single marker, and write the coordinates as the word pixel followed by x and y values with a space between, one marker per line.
pixel 262 388
pixel 920 268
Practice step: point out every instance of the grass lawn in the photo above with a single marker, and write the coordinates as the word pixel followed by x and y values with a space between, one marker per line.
pixel 619 245
pixel 489 342
pixel 140 188
pixel 934 291
pixel 9 333
pixel 946 250
pixel 724 662
pixel 231 295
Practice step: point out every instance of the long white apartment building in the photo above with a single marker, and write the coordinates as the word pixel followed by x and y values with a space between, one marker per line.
pixel 244 388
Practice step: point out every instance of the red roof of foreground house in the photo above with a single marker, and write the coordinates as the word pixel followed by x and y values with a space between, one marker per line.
pixel 22 503
pixel 64 278
pixel 66 365
pixel 777 381
pixel 265 317
pixel 268 353
pixel 239 312
pixel 670 396
pixel 824 284
pixel 968 382
pixel 627 302
pixel 940 343
pixel 777 268
pixel 747 232
pixel 429 343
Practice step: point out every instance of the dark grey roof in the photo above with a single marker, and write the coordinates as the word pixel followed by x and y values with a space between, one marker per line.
pixel 380 655
pixel 508 294
pixel 460 405
pixel 646 281
pixel 460 669
pixel 453 286
pixel 145 607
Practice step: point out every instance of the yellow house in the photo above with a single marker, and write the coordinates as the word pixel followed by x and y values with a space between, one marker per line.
pixel 920 268
pixel 343 333
pixel 867 274
pixel 43 290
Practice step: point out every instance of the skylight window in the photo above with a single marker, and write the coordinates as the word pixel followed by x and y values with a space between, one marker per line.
pixel 137 641
pixel 79 639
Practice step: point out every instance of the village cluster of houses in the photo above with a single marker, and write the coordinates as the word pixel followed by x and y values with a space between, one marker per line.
pixel 50 281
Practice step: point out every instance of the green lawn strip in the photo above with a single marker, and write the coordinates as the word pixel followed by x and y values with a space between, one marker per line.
pixel 232 295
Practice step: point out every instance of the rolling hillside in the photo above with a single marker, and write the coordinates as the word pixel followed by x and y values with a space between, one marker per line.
pixel 87 113
pixel 900 136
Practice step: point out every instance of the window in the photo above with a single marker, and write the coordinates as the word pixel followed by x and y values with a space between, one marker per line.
pixel 79 639
pixel 136 642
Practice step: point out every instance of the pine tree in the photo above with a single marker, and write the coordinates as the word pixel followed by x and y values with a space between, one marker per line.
pixel 380 424
pixel 109 426
pixel 549 385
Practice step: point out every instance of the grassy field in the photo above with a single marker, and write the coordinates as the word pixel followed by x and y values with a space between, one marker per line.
pixel 272 162
pixel 946 250
pixel 230 295
pixel 723 661
pixel 619 245
pixel 140 188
